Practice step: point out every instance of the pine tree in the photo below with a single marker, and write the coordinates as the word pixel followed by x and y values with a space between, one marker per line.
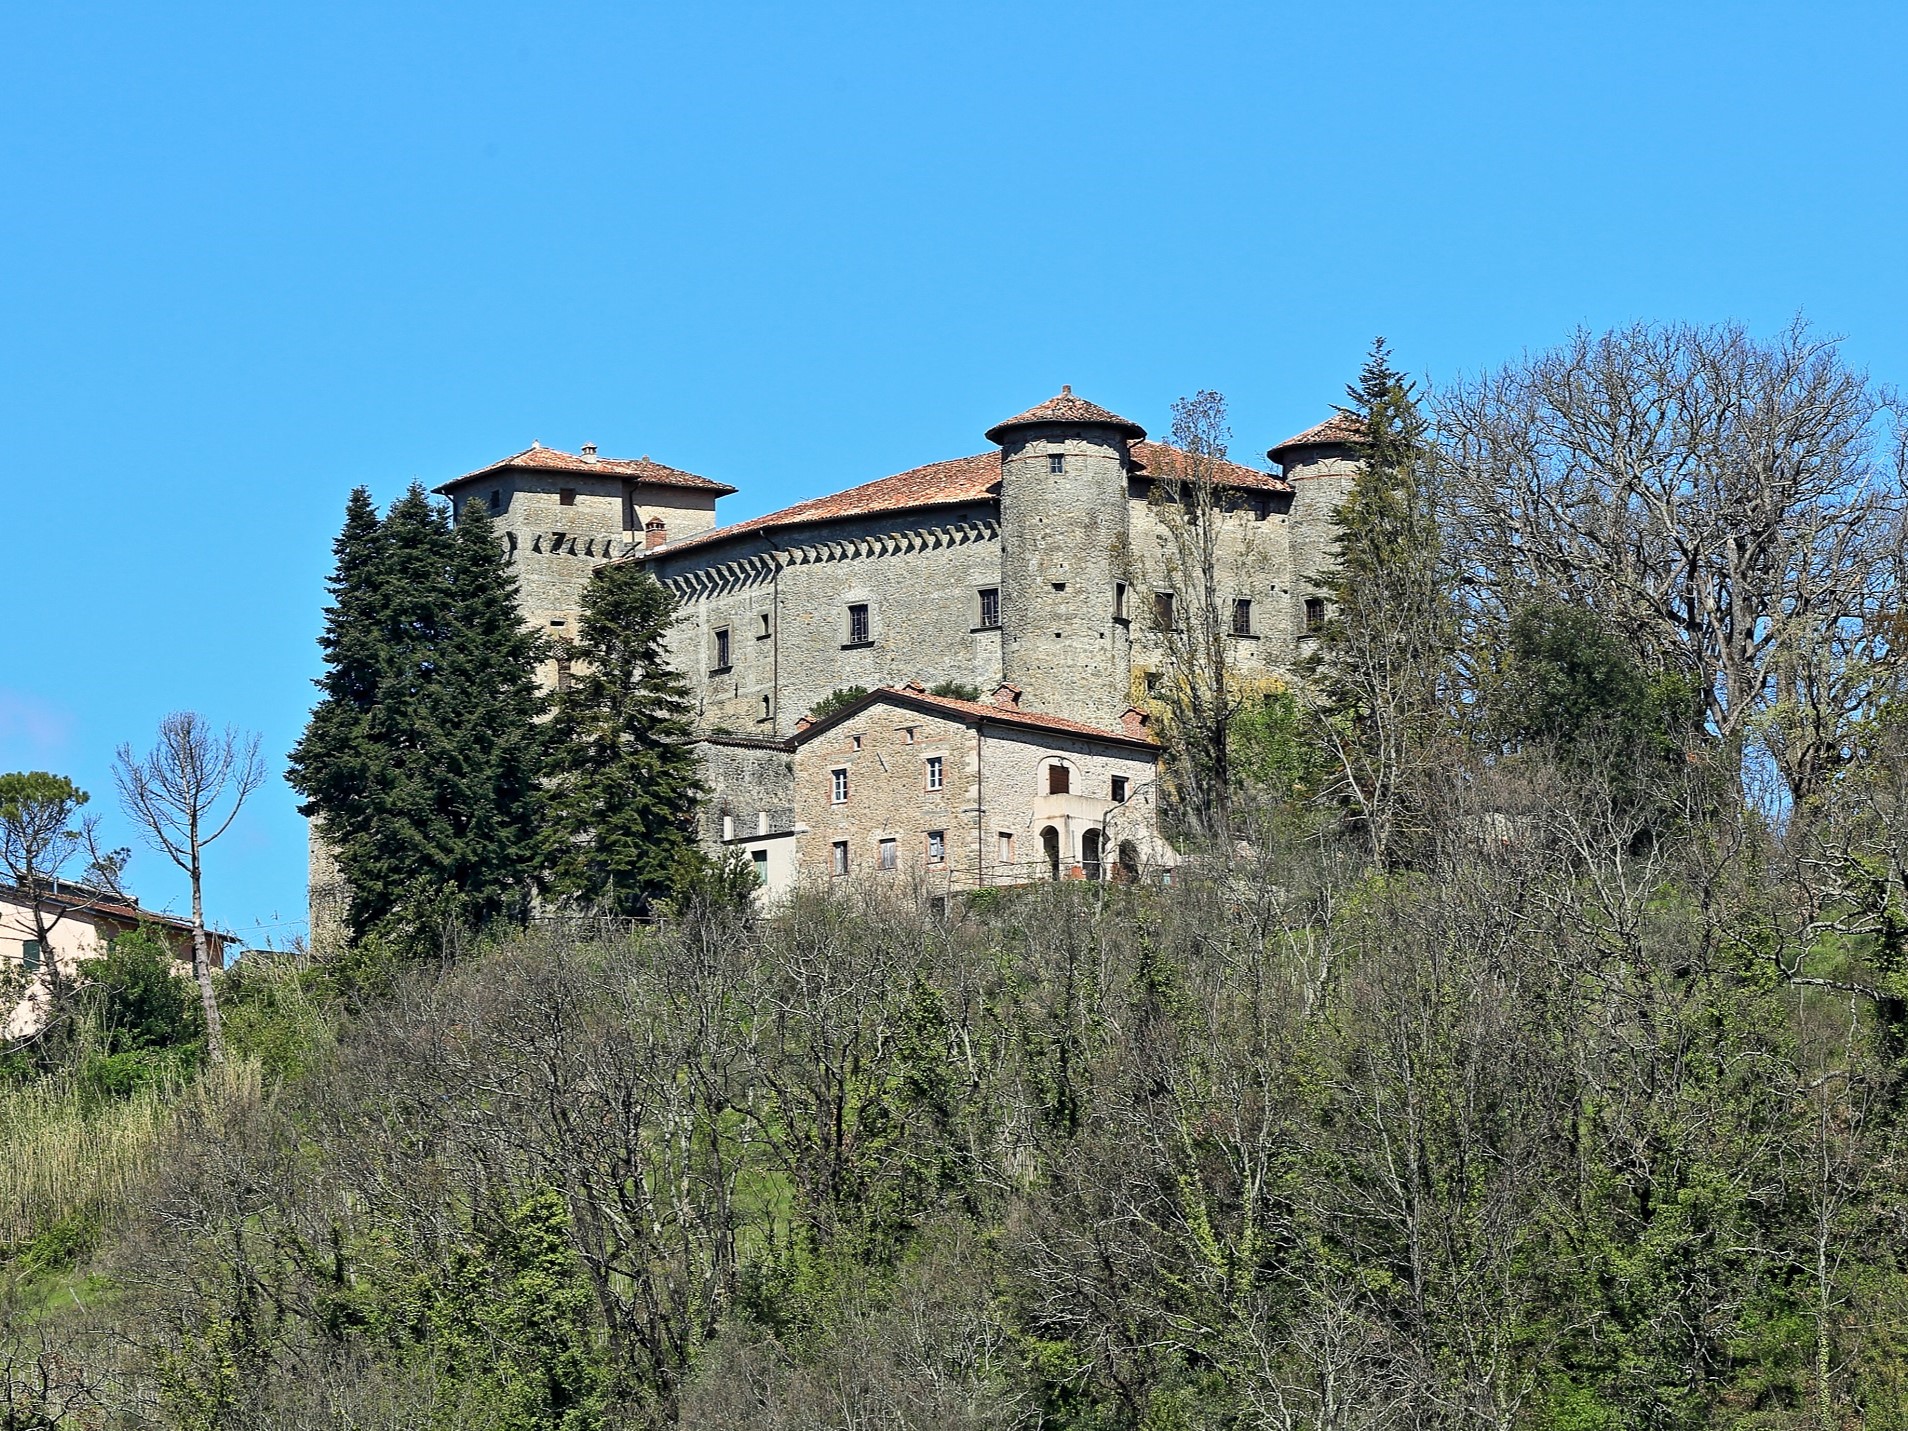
pixel 421 759
pixel 1384 654
pixel 623 783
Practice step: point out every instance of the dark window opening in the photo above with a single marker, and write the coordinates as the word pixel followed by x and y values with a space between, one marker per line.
pixel 1163 610
pixel 722 649
pixel 765 627
pixel 1091 843
pixel 759 859
pixel 1059 780
pixel 1119 788
pixel 990 606
pixel 1152 682
pixel 1056 462
pixel 768 709
pixel 29 955
pixel 857 625
pixel 1119 601
pixel 1241 617
pixel 496 501
pixel 566 496
pixel 1050 847
pixel 1314 613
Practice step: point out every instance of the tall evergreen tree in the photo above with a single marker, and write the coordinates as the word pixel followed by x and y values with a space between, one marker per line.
pixel 623 783
pixel 1384 657
pixel 421 759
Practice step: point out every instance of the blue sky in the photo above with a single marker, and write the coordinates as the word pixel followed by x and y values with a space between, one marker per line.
pixel 253 256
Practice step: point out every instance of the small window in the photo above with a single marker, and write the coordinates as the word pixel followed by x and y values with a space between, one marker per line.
pixel 839 851
pixel 566 496
pixel 1056 462
pixel 936 772
pixel 764 627
pixel 722 649
pixel 1059 780
pixel 907 735
pixel 838 787
pixel 990 606
pixel 887 853
pixel 854 742
pixel 937 847
pixel 1119 789
pixel 1152 683
pixel 1241 617
pixel 29 954
pixel 1006 847
pixel 758 860
pixel 1163 610
pixel 1314 613
pixel 1119 601
pixel 496 501
pixel 858 625
pixel 768 709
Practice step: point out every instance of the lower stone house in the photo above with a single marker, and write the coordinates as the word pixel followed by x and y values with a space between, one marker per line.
pixel 81 924
pixel 952 795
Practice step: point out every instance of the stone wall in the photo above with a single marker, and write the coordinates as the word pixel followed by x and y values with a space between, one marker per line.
pixel 784 603
pixel 752 789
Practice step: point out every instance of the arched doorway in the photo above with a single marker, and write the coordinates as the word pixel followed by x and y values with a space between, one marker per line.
pixel 1092 848
pixel 1128 869
pixel 1050 847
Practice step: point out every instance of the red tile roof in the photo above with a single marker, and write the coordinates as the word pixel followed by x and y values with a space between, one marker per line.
pixel 538 458
pixel 1066 408
pixel 939 484
pixel 971 711
pixel 1337 430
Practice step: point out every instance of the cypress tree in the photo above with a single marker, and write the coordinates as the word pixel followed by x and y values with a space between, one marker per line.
pixel 420 759
pixel 623 779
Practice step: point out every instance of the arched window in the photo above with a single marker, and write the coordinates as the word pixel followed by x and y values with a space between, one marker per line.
pixel 1050 847
pixel 1092 845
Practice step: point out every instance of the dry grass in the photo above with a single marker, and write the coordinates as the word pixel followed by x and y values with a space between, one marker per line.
pixel 62 1155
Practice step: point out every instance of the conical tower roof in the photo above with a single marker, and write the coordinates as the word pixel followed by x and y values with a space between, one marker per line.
pixel 1067 408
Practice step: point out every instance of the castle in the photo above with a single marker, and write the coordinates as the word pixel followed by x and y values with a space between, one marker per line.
pixel 1038 574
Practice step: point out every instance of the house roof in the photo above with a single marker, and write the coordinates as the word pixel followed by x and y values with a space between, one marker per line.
pixel 1338 430
pixel 538 458
pixel 973 713
pixel 81 901
pixel 939 484
pixel 1066 408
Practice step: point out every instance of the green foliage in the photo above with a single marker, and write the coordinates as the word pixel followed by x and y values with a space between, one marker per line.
pixel 956 690
pixel 1274 749
pixel 1571 683
pixel 136 1000
pixel 623 777
pixel 423 756
pixel 839 699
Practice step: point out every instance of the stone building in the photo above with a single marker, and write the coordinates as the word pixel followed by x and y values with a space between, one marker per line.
pixel 1045 563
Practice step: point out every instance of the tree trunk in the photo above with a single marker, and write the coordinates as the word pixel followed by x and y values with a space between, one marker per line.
pixel 202 965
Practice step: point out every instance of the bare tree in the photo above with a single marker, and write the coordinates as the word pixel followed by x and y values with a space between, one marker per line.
pixel 1718 499
pixel 184 794
pixel 1203 565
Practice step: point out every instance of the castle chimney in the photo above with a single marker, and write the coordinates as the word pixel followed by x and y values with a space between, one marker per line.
pixel 1134 721
pixel 589 452
pixel 1008 695
pixel 654 533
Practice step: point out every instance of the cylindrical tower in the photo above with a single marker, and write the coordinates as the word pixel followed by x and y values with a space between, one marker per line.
pixel 1063 505
pixel 1322 464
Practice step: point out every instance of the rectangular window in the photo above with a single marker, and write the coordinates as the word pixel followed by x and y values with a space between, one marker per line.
pixel 758 860
pixel 496 501
pixel 936 772
pixel 854 742
pixel 764 631
pixel 566 496
pixel 937 846
pixel 29 954
pixel 858 625
pixel 887 850
pixel 1119 788
pixel 1059 780
pixel 1006 847
pixel 990 606
pixel 839 852
pixel 1241 617
pixel 768 709
pixel 907 735
pixel 722 649
pixel 1163 610
pixel 1119 601
pixel 1314 613
pixel 838 787
pixel 1056 462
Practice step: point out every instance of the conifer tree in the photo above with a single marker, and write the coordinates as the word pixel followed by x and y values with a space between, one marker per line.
pixel 421 760
pixel 1384 653
pixel 623 779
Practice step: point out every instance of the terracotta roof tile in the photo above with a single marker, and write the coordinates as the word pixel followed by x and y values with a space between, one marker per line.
pixel 538 458
pixel 1066 408
pixel 981 710
pixel 939 484
pixel 1339 429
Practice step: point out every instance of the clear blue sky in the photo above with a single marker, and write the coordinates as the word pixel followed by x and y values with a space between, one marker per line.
pixel 251 256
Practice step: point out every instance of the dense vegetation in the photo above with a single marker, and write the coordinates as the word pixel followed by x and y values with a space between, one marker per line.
pixel 1527 1051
